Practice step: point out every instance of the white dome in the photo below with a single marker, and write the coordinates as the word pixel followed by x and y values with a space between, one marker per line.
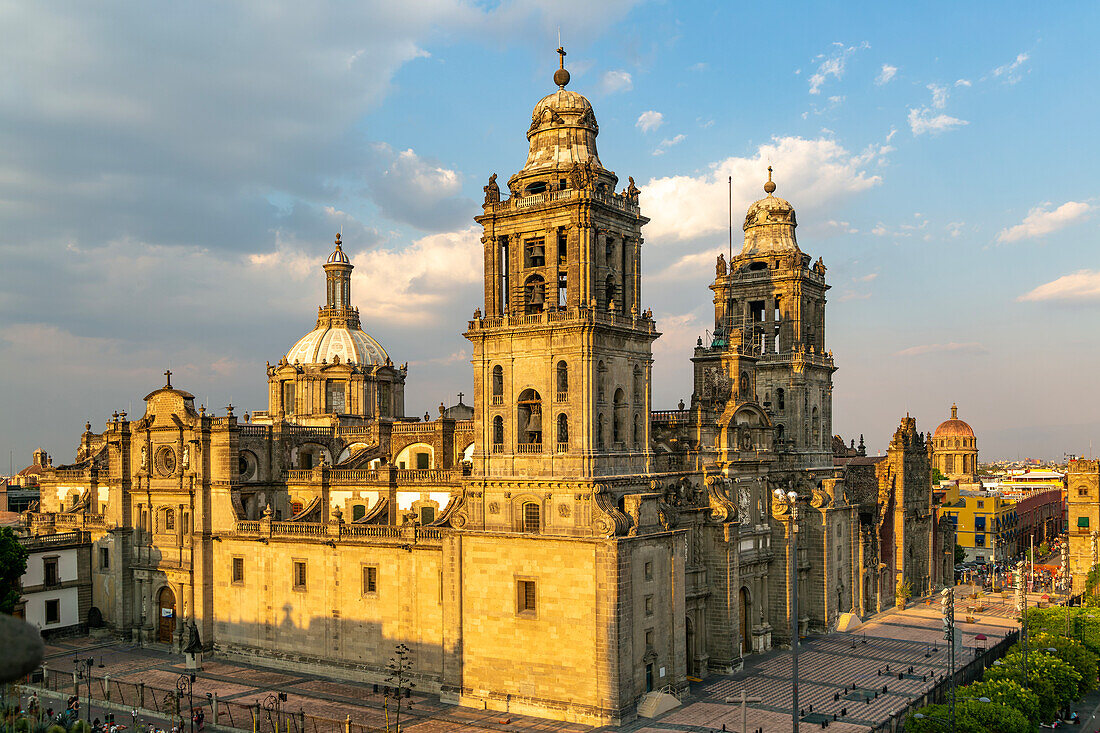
pixel 350 344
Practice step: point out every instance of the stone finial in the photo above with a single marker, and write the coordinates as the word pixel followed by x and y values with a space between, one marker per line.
pixel 268 512
pixel 769 187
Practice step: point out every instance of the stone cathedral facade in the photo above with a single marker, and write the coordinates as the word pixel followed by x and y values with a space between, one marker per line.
pixel 557 547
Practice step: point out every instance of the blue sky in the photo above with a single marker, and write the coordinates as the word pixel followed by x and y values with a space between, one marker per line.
pixel 171 180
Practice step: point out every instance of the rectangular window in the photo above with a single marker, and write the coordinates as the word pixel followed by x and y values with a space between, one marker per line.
pixel 526 598
pixel 649 570
pixel 104 558
pixel 288 398
pixel 238 570
pixel 563 288
pixel 370 579
pixel 299 575
pixel 53 611
pixel 562 244
pixel 1083 522
pixel 649 605
pixel 384 399
pixel 649 637
pixel 981 504
pixel 979 524
pixel 504 265
pixel 422 461
pixel 979 540
pixel 49 571
pixel 334 397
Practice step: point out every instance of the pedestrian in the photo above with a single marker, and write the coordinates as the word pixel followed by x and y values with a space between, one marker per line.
pixel 200 719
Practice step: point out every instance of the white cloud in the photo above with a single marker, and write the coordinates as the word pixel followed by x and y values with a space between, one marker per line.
pixel 886 74
pixel 967 348
pixel 1010 73
pixel 832 65
pixel 616 81
pixel 867 278
pixel 414 284
pixel 650 120
pixel 813 174
pixel 963 83
pixel 939 95
pixel 925 120
pixel 415 190
pixel 853 295
pixel 1082 286
pixel 667 143
pixel 1041 221
pixel 955 228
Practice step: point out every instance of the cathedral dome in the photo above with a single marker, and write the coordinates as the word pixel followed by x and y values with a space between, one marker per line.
pixel 954 428
pixel 769 224
pixel 562 142
pixel 325 343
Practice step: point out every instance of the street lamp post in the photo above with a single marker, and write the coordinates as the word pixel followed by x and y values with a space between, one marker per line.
pixel 185 684
pixel 271 704
pixel 84 667
pixel 790 498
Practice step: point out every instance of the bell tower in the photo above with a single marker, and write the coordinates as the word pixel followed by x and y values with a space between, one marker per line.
pixel 562 352
pixel 770 303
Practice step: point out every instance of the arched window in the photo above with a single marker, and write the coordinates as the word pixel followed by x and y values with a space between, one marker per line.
pixel 744 391
pixel 531 518
pixel 601 425
pixel 358 511
pixel 169 520
pixel 779 394
pixel 609 290
pixel 563 380
pixel 534 295
pixel 563 431
pixel 617 422
pixel 779 433
pixel 427 515
pixel 601 381
pixel 815 426
pixel 498 431
pixel 529 414
pixel 498 384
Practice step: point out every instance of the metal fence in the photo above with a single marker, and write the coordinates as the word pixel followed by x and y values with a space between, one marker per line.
pixel 149 699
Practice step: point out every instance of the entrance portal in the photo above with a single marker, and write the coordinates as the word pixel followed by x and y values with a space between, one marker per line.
pixel 746 636
pixel 166 610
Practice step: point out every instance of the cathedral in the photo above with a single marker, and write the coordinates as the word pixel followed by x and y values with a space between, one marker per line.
pixel 557 547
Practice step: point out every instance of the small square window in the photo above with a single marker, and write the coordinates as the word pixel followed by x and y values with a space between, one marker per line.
pixel 526 598
pixel 370 579
pixel 649 605
pixel 649 637
pixel 104 558
pixel 299 575
pixel 238 570
pixel 53 611
pixel 649 570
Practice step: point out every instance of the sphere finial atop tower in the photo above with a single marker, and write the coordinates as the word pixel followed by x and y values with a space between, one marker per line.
pixel 769 187
pixel 561 76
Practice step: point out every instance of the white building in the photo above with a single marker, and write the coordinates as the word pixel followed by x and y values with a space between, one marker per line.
pixel 57 582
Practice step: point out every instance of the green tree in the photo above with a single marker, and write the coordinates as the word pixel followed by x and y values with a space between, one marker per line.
pixel 960 554
pixel 1005 692
pixel 905 590
pixel 970 717
pixel 937 476
pixel 13 563
pixel 1054 681
pixel 1072 652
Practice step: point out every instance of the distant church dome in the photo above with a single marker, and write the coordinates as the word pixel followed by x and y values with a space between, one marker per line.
pixel 769 224
pixel 337 333
pixel 954 428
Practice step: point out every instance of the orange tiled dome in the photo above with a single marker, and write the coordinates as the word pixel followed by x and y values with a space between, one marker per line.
pixel 954 428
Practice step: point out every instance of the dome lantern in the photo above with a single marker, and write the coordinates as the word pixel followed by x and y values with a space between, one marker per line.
pixel 769 224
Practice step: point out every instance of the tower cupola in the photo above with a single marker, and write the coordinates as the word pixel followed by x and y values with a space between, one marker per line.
pixel 769 224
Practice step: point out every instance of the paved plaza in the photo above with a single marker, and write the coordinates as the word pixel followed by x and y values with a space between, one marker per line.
pixel 843 674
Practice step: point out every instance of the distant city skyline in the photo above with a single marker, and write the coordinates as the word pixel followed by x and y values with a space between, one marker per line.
pixel 171 180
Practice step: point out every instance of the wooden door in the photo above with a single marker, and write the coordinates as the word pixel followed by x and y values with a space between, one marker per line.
pixel 166 612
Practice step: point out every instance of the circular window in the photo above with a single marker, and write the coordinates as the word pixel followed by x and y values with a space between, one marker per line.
pixel 165 460
pixel 245 466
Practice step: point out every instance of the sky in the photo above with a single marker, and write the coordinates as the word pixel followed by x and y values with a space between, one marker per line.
pixel 172 178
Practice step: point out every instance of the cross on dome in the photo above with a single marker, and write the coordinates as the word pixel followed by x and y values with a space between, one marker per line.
pixel 561 76
pixel 168 377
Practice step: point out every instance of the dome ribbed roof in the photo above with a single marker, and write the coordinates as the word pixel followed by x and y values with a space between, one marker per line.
pixel 954 428
pixel 769 224
pixel 325 343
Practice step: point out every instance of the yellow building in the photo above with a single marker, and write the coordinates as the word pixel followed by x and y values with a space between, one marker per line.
pixel 985 523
